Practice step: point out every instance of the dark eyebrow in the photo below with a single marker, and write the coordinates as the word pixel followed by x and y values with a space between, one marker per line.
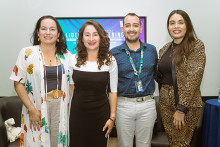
pixel 127 23
pixel 89 32
pixel 46 27
pixel 178 20
pixel 131 24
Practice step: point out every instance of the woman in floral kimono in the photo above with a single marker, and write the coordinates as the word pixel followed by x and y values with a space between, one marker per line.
pixel 41 80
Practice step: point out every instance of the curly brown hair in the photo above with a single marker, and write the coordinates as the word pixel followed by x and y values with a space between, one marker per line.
pixel 104 55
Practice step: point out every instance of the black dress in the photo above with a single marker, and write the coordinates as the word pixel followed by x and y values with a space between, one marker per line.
pixel 90 107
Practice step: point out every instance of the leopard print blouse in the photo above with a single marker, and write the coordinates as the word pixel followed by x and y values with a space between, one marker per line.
pixel 189 75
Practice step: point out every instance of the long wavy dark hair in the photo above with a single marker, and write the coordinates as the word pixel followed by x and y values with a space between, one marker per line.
pixel 184 48
pixel 104 55
pixel 61 45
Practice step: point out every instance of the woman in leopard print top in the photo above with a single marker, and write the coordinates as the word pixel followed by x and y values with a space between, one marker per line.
pixel 188 54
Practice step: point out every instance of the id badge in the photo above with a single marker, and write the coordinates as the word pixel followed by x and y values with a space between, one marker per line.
pixel 139 87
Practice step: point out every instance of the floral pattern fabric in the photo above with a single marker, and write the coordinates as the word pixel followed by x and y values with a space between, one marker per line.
pixel 29 71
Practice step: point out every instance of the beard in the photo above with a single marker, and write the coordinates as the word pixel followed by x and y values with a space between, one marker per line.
pixel 132 40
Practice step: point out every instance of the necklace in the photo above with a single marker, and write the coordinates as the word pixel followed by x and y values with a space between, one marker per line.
pixel 56 93
pixel 50 57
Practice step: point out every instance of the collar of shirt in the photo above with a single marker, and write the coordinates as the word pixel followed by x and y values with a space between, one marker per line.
pixel 125 46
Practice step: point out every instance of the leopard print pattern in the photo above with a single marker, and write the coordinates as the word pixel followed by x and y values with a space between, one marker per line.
pixel 176 138
pixel 189 76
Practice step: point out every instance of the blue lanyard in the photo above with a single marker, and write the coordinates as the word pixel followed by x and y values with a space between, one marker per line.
pixel 132 63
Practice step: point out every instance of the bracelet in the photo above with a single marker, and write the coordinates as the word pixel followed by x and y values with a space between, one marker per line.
pixel 29 106
pixel 111 119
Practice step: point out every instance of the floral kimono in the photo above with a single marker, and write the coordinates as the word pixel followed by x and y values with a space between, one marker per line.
pixel 29 70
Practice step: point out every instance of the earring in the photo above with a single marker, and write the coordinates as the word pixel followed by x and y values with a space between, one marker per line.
pixel 38 39
pixel 58 40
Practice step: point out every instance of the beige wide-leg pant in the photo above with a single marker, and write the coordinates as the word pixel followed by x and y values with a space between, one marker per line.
pixel 53 112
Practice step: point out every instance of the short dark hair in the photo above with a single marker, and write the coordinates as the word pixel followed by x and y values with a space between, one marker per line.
pixel 61 45
pixel 132 14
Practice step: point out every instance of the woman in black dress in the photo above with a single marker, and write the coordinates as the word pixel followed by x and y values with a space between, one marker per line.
pixel 95 77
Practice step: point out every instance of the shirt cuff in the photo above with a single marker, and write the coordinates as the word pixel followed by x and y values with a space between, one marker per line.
pixel 182 108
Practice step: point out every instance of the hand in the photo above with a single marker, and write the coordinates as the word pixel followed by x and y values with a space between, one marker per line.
pixel 109 124
pixel 178 119
pixel 35 118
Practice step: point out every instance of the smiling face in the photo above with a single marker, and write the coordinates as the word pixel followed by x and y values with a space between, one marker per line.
pixel 48 32
pixel 177 27
pixel 91 38
pixel 132 28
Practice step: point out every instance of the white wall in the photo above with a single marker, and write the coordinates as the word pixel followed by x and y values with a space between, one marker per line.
pixel 18 18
